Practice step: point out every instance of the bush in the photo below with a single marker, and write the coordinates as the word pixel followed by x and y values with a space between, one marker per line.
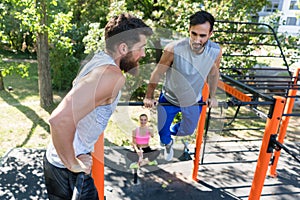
pixel 64 68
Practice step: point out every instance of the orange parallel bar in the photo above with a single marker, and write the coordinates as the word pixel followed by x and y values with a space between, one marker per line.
pixel 285 121
pixel 98 166
pixel 200 130
pixel 234 92
pixel 265 157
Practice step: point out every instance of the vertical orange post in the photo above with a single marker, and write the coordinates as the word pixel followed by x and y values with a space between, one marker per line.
pixel 98 166
pixel 200 130
pixel 285 121
pixel 265 157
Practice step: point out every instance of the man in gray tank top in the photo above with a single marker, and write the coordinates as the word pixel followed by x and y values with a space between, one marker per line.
pixel 83 114
pixel 187 64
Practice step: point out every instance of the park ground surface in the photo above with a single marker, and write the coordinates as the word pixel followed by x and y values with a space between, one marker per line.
pixel 226 172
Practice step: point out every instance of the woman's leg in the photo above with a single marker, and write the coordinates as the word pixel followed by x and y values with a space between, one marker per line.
pixel 132 156
pixel 151 154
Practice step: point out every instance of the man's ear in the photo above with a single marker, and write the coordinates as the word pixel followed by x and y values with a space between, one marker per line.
pixel 123 48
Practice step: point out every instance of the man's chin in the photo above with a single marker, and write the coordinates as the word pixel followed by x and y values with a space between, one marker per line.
pixel 198 49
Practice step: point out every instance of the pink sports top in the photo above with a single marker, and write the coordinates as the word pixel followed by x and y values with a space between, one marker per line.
pixel 142 139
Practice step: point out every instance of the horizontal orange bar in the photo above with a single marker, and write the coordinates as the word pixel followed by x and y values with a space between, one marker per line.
pixel 234 92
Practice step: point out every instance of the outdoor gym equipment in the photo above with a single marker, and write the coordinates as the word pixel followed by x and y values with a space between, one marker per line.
pixel 263 160
pixel 273 120
pixel 247 87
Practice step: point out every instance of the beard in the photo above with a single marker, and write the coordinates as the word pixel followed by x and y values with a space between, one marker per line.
pixel 128 64
pixel 197 47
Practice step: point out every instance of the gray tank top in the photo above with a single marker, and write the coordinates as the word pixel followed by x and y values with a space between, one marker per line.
pixel 186 77
pixel 92 125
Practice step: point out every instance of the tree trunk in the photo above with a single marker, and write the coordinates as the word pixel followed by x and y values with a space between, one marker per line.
pixel 44 71
pixel 1 81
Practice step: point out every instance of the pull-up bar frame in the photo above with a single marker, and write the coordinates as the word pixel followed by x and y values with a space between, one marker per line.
pixel 273 122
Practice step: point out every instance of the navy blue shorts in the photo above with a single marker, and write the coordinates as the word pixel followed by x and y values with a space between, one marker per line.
pixel 165 117
pixel 60 183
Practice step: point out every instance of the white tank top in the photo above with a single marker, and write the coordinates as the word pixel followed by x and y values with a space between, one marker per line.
pixel 93 124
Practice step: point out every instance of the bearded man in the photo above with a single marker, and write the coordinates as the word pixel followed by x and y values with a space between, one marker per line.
pixel 83 114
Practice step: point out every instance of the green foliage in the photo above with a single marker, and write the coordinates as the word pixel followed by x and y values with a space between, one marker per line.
pixel 290 43
pixel 67 25
pixel 76 27
pixel 13 32
pixel 94 40
pixel 290 47
pixel 64 67
pixel 64 64
pixel 21 69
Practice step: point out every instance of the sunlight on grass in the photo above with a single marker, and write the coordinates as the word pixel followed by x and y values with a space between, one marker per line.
pixel 23 122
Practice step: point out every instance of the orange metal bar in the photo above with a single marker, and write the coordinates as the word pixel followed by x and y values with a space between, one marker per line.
pixel 98 166
pixel 285 121
pixel 265 157
pixel 234 92
pixel 200 129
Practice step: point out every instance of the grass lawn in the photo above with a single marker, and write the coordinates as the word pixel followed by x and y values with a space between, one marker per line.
pixel 23 122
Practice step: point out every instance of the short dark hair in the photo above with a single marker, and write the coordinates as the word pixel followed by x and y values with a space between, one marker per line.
pixel 201 17
pixel 125 28
pixel 143 115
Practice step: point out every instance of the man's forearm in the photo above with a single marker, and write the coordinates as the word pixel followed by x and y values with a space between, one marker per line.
pixel 62 138
pixel 65 151
pixel 150 90
pixel 213 84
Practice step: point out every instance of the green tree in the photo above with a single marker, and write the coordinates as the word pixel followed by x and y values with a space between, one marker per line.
pixel 45 88
pixel 75 26
pixel 67 23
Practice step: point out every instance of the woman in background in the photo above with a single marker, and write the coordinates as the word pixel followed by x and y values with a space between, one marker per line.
pixel 142 154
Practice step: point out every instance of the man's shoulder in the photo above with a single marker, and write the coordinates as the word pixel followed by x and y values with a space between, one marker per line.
pixel 213 44
pixel 177 43
pixel 107 69
pixel 181 42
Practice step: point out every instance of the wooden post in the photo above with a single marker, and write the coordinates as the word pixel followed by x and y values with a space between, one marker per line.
pixel 200 130
pixel 285 121
pixel 264 154
pixel 98 166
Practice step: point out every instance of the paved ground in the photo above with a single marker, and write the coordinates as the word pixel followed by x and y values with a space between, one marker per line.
pixel 226 173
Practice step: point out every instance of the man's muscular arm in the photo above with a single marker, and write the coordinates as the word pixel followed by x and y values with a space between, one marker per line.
pixel 212 80
pixel 163 65
pixel 97 88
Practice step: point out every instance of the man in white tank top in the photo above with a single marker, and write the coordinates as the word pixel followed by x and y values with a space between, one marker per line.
pixel 187 64
pixel 83 114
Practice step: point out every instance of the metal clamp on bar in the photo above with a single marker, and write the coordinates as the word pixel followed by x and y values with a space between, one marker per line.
pixel 274 144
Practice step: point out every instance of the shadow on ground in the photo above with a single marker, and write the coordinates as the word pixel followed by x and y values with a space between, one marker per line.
pixel 21 176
